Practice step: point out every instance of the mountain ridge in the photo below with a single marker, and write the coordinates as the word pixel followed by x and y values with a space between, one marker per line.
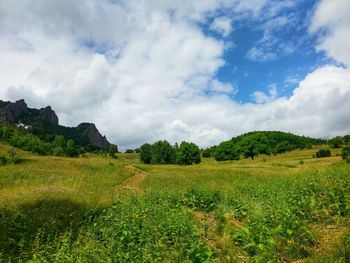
pixel 45 120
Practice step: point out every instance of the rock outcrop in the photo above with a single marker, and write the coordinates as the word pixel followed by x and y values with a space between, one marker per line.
pixel 46 118
pixel 48 115
pixel 15 112
pixel 11 112
pixel 90 131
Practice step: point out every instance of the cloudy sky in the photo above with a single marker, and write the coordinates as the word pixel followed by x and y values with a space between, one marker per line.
pixel 197 70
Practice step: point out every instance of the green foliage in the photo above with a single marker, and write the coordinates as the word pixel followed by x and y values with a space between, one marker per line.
pixel 226 151
pixel 201 200
pixel 138 230
pixel 113 150
pixel 336 142
pixel 50 145
pixel 146 153
pixel 345 153
pixel 323 153
pixel 188 153
pixel 254 145
pixel 129 151
pixel 10 158
pixel 207 153
pixel 163 153
pixel 71 151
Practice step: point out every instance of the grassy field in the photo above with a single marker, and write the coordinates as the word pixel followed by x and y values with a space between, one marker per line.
pixel 285 208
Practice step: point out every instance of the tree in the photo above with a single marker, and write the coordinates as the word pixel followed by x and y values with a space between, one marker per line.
pixel 323 153
pixel 226 151
pixel 129 151
pixel 112 150
pixel 254 145
pixel 146 153
pixel 206 152
pixel 188 153
pixel 59 141
pixel 70 149
pixel 163 153
pixel 336 142
pixel 345 153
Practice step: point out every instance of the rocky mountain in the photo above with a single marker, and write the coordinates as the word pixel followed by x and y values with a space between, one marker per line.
pixel 12 113
pixel 46 121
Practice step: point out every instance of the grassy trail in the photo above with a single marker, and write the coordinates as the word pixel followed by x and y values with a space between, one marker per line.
pixel 133 183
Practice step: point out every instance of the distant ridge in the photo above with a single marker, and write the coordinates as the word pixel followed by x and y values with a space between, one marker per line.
pixel 46 120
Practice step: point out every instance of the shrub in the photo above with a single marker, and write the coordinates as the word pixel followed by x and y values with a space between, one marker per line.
pixel 10 158
pixel 146 153
pixel 129 151
pixel 206 153
pixel 163 153
pixel 112 150
pixel 226 151
pixel 201 200
pixel 188 153
pixel 345 153
pixel 323 153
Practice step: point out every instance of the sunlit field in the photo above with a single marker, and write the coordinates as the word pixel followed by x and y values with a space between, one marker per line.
pixel 285 208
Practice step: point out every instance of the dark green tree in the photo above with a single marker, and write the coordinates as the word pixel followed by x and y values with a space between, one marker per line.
pixel 59 141
pixel 323 153
pixel 206 152
pixel 112 150
pixel 188 153
pixel 71 151
pixel 336 142
pixel 345 153
pixel 146 153
pixel 254 145
pixel 163 153
pixel 226 151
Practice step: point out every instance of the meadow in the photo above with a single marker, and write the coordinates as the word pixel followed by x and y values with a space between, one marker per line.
pixel 284 208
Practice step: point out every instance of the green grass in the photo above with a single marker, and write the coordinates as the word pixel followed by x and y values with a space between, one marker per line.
pixel 280 208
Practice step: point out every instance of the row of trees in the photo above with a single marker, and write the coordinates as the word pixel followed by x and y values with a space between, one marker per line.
pixel 57 145
pixel 252 144
pixel 162 152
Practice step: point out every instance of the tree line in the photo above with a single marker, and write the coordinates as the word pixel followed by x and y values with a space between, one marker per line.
pixel 49 144
pixel 162 152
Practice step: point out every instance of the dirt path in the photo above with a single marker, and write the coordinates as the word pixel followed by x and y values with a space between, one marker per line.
pixel 134 182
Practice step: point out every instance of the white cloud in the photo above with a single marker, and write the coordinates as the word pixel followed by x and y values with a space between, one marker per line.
pixel 261 97
pixel 222 25
pixel 332 16
pixel 142 71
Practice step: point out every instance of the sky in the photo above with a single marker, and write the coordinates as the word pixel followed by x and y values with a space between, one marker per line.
pixel 195 70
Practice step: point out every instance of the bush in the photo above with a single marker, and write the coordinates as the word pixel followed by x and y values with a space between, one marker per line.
pixel 10 158
pixel 226 151
pixel 163 153
pixel 188 153
pixel 112 150
pixel 345 153
pixel 206 153
pixel 146 153
pixel 323 153
pixel 129 151
pixel 201 200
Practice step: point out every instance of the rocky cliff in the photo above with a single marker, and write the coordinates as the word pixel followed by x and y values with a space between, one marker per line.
pixel 47 120
pixel 90 131
pixel 12 113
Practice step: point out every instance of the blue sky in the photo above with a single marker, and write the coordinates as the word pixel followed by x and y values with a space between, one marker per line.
pixel 285 70
pixel 200 71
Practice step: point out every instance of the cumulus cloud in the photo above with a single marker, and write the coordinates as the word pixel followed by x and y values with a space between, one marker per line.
pixel 222 25
pixel 144 70
pixel 332 21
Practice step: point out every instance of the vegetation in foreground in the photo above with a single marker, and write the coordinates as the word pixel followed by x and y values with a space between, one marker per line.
pixel 95 209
